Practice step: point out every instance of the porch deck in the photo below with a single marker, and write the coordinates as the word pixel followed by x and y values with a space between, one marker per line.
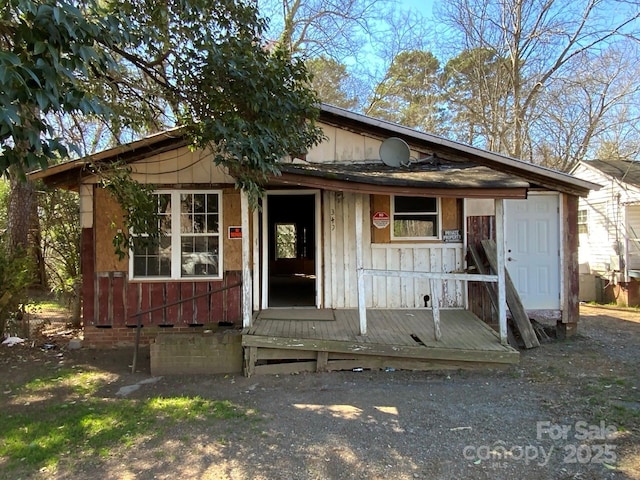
pixel 297 340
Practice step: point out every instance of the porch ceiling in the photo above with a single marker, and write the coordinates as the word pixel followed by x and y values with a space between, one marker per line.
pixel 432 178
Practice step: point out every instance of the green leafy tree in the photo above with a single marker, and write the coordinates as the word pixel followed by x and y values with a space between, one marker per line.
pixel 477 97
pixel 198 63
pixel 135 66
pixel 362 35
pixel 410 92
pixel 59 213
pixel 15 277
pixel 331 82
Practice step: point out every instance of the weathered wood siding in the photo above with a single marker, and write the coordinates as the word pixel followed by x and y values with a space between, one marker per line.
pixel 110 299
pixel 344 146
pixel 180 167
pixel 116 301
pixel 339 254
pixel 409 292
pixel 570 275
pixel 482 228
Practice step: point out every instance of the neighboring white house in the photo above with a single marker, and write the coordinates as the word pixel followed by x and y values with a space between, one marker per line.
pixel 609 224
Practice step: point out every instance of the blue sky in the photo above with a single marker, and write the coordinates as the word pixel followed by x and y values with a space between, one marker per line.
pixel 424 6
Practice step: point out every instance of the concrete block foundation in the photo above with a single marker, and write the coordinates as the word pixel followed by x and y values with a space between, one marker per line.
pixel 196 353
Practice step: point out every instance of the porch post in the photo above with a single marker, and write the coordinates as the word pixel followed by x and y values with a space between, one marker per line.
pixel 502 292
pixel 246 271
pixel 256 260
pixel 362 310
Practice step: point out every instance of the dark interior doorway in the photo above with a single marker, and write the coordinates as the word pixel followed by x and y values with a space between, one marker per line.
pixel 292 250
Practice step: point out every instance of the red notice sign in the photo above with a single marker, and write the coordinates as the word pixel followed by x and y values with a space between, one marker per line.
pixel 381 220
pixel 235 232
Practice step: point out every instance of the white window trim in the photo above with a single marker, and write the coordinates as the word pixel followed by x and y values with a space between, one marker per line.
pixel 176 249
pixel 586 218
pixel 439 214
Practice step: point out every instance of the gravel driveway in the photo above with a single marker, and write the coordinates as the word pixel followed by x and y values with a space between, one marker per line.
pixel 570 410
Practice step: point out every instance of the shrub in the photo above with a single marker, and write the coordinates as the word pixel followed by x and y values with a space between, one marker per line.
pixel 16 274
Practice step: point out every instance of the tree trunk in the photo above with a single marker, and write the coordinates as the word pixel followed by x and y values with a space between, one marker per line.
pixel 35 246
pixel 19 210
pixel 23 227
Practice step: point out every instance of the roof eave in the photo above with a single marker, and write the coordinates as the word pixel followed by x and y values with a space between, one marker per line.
pixel 69 174
pixel 309 181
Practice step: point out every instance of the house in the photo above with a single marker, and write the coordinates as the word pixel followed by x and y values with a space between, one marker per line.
pixel 347 249
pixel 609 232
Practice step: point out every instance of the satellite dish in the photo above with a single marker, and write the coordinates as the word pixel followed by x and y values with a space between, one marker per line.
pixel 394 152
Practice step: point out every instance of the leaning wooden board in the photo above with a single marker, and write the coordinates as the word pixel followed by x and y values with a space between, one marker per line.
pixel 474 256
pixel 518 313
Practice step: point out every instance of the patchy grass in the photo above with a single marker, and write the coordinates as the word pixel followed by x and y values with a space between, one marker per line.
pixel 46 305
pixel 614 400
pixel 63 416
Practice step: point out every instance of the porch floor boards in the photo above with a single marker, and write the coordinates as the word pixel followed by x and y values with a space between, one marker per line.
pixel 395 338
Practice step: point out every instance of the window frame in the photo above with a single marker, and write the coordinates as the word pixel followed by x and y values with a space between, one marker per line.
pixel 584 223
pixel 294 244
pixel 437 213
pixel 176 240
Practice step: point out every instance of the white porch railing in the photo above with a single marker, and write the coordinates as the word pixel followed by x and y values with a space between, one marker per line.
pixel 435 276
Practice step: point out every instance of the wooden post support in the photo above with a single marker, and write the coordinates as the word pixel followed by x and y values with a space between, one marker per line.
pixel 362 309
pixel 256 260
pixel 322 361
pixel 246 258
pixel 435 308
pixel 250 358
pixel 502 296
pixel 134 362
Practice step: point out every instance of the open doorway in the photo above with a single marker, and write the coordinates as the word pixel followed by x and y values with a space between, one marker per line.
pixel 291 239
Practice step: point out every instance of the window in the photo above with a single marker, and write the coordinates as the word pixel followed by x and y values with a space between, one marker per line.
pixel 190 244
pixel 582 221
pixel 286 241
pixel 415 218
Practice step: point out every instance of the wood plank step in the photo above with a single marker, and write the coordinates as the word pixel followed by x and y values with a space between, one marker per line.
pixel 505 355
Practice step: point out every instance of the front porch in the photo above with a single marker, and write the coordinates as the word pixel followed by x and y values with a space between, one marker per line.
pixel 284 341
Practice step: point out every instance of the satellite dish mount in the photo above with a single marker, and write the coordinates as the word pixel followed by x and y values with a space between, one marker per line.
pixel 394 152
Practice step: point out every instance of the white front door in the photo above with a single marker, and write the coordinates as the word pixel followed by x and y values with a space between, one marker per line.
pixel 532 249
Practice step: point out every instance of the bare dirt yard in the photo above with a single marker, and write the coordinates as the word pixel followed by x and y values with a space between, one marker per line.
pixel 569 410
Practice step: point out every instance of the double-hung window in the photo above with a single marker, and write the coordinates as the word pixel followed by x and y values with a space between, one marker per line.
pixel 190 244
pixel 583 221
pixel 415 218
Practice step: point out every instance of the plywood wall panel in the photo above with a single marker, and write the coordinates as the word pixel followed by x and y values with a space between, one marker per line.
pixel 108 219
pixel 231 217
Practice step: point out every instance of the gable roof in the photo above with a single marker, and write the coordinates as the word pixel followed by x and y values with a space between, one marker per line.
pixel 500 171
pixel 626 171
